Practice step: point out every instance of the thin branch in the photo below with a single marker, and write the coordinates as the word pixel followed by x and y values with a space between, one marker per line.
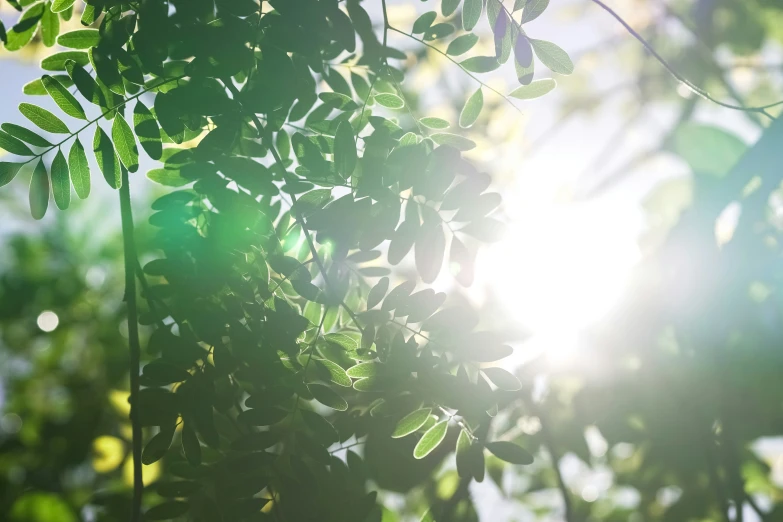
pixel 452 60
pixel 679 77
pixel 129 247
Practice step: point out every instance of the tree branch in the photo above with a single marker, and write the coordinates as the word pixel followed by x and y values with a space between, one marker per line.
pixel 679 77
pixel 129 247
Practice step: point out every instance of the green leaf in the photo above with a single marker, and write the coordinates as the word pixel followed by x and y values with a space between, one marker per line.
pixel 264 416
pixel 168 177
pixel 44 119
pixel 480 64
pixel 50 26
pixel 329 371
pixel 57 61
pixel 61 5
pixel 63 98
pixel 322 428
pixel 21 33
pixel 411 423
pixel 552 56
pixel 338 100
pixel 377 293
pixel 345 150
pixel 434 123
pixel 510 452
pixel 472 109
pixel 424 22
pixel 430 440
pixel 8 171
pixel 80 169
pixel 518 4
pixel 107 69
pixel 167 511
pixel 502 379
pixel 447 7
pixel 390 101
pixel 107 159
pixel 535 89
pixel 471 13
pixel 125 143
pixel 36 87
pixel 191 445
pixel 80 39
pixel 147 131
pixel 61 184
pixel 367 369
pixel 157 447
pixel 462 44
pixel 533 9
pixel 27 135
pixel 328 397
pixel 369 384
pixel 707 149
pixel 39 191
pixel 85 83
pixel 453 140
pixel 13 145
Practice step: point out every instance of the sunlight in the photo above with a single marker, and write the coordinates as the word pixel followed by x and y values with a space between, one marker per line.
pixel 577 259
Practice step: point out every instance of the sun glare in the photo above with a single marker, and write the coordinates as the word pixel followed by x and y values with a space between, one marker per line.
pixel 561 268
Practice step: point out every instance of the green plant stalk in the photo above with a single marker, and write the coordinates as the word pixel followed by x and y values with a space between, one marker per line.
pixel 129 248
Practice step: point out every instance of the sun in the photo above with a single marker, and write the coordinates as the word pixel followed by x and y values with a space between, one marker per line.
pixel 562 267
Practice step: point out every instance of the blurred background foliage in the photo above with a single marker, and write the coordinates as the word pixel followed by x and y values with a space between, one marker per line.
pixel 623 428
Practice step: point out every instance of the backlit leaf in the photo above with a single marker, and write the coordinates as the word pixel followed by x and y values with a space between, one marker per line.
pixel 453 140
pixel 63 98
pixel 44 119
pixel 555 58
pixel 57 61
pixel 462 44
pixel 533 9
pixel 61 5
pixel 430 440
pixel 472 109
pixel 80 39
pixel 471 13
pixel 50 26
pixel 80 169
pixel 535 89
pixel 390 101
pixel 424 22
pixel 8 172
pixel 125 143
pixel 502 379
pixel 434 123
pixel 27 135
pixel 367 369
pixel 411 422
pixel 480 64
pixel 13 145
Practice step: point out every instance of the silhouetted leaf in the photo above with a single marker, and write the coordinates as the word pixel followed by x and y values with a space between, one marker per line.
pixel 502 379
pixel 377 293
pixel 39 191
pixel 447 7
pixel 345 150
pixel 166 511
pixel 510 452
pixel 147 131
pixel 106 158
pixel 157 446
pixel 328 397
pixel 61 183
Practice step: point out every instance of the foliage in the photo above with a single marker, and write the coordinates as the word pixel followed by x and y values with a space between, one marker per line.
pixel 271 350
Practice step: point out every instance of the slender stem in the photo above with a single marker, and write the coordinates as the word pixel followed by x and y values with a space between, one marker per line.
pixel 129 247
pixel 679 77
pixel 452 60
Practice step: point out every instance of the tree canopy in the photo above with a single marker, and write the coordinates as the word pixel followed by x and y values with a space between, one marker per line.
pixel 289 351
